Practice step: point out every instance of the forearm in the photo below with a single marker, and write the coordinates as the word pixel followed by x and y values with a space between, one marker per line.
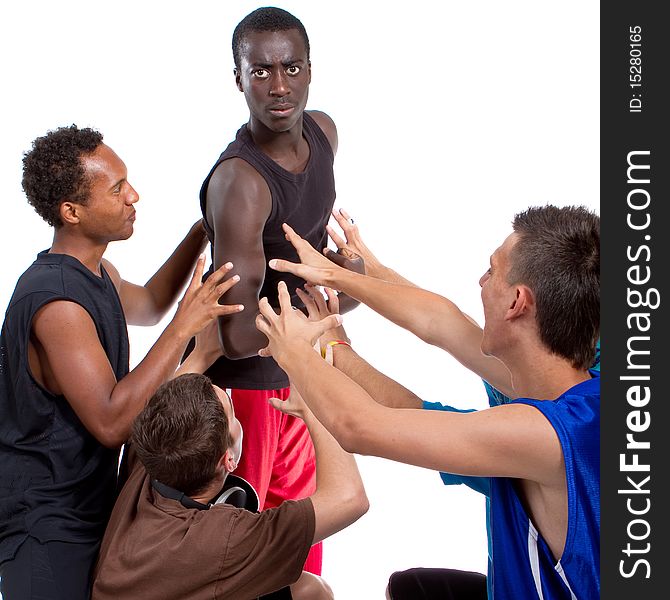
pixel 131 393
pixel 381 388
pixel 340 497
pixel 168 281
pixel 431 317
pixel 196 362
pixel 335 399
pixel 379 271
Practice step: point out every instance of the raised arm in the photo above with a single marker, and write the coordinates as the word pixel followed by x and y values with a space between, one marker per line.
pixel 507 441
pixel 148 304
pixel 67 358
pixel 340 497
pixel 433 318
pixel 238 205
pixel 381 388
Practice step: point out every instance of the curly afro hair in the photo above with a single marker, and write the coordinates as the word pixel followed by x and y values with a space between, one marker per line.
pixel 53 170
pixel 266 19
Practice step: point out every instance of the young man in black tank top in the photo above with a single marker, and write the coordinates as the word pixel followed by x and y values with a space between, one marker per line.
pixel 66 397
pixel 278 169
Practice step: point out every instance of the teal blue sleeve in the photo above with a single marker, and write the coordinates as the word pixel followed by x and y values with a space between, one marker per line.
pixel 479 484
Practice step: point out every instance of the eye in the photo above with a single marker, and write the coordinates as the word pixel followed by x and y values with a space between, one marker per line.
pixel 293 70
pixel 260 73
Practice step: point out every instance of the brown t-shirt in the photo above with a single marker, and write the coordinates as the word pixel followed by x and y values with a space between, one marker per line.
pixel 156 548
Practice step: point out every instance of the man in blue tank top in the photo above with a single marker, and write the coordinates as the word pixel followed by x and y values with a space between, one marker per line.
pixel 278 169
pixel 541 305
pixel 67 397
pixel 421 583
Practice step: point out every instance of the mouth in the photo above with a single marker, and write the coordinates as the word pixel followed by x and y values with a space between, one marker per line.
pixel 131 218
pixel 281 110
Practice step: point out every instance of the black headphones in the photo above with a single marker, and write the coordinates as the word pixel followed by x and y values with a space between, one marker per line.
pixel 231 494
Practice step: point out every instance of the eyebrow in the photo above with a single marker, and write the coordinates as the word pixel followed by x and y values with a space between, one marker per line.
pixel 269 65
pixel 117 184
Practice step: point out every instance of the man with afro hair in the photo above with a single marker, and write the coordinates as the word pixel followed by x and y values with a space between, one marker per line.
pixel 67 397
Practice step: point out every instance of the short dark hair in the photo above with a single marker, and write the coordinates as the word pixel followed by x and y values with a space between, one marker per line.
pixel 267 18
pixel 53 170
pixel 557 255
pixel 182 433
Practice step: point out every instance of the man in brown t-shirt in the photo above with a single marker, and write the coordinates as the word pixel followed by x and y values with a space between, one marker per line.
pixel 169 538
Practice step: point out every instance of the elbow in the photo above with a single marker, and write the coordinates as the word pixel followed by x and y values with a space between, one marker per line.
pixel 234 350
pixel 356 502
pixel 111 437
pixel 238 343
pixel 348 432
pixel 113 432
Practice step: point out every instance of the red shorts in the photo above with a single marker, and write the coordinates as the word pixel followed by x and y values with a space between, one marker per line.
pixel 277 455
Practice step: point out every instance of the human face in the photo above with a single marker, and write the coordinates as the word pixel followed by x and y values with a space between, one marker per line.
pixel 498 296
pixel 274 75
pixel 233 424
pixel 108 214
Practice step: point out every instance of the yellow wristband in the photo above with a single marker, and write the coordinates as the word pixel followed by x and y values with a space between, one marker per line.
pixel 331 344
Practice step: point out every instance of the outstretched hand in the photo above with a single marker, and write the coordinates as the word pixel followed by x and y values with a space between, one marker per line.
pixel 318 309
pixel 290 329
pixel 294 405
pixel 200 303
pixel 314 267
pixel 351 246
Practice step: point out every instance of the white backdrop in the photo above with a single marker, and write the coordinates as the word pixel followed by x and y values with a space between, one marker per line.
pixel 452 116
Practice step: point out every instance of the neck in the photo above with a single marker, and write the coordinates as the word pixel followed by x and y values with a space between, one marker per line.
pixel 548 377
pixel 276 143
pixel 214 488
pixel 85 251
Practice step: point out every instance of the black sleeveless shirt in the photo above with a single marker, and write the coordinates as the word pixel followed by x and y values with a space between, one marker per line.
pixel 304 201
pixel 57 482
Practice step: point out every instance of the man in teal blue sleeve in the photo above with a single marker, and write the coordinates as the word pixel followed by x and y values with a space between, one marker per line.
pixel 483 484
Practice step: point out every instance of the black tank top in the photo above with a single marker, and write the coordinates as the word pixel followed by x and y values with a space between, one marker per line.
pixel 57 482
pixel 304 201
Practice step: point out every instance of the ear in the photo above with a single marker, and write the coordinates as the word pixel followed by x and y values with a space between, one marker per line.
pixel 309 71
pixel 523 303
pixel 227 462
pixel 69 212
pixel 238 81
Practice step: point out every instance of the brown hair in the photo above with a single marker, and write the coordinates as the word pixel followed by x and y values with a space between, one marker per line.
pixel 557 255
pixel 182 433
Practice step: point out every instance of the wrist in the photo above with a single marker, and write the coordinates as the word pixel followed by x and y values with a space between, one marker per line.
pixel 331 344
pixel 293 353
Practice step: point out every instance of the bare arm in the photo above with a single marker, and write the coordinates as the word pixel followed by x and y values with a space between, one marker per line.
pixel 340 497
pixel 433 318
pixel 381 388
pixel 67 357
pixel 148 304
pixel 506 441
pixel 238 205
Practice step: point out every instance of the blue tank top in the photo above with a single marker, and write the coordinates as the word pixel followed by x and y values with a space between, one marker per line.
pixel 523 566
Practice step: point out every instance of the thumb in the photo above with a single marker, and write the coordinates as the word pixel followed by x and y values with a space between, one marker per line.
pixel 330 322
pixel 281 265
pixel 278 404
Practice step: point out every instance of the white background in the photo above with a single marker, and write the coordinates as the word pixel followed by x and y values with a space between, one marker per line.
pixel 452 116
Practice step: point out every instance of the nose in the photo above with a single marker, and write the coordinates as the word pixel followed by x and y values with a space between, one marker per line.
pixel 279 85
pixel 132 196
pixel 484 278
